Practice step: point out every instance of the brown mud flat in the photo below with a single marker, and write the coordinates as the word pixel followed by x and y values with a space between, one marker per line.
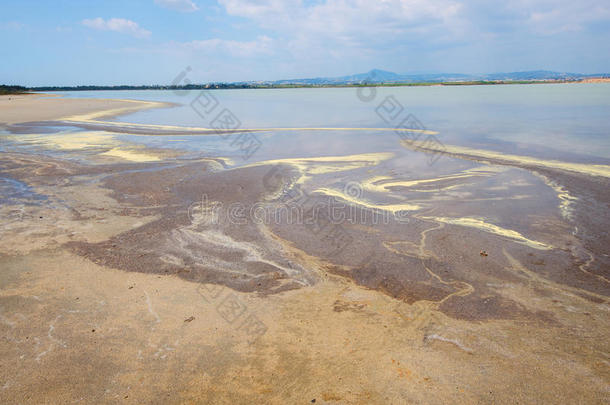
pixel 184 281
pixel 592 210
pixel 252 257
pixel 234 255
pixel 237 255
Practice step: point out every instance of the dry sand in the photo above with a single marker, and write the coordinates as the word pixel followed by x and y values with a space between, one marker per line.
pixel 25 108
pixel 119 286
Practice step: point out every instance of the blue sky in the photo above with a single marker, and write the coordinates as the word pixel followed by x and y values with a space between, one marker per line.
pixel 69 42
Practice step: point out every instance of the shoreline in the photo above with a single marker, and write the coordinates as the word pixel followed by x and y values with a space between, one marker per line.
pixel 231 86
pixel 24 109
pixel 118 271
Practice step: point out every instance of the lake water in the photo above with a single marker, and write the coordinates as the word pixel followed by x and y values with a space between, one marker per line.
pixel 551 121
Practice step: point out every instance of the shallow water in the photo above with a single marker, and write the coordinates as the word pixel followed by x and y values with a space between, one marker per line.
pixel 345 146
pixel 16 192
pixel 551 121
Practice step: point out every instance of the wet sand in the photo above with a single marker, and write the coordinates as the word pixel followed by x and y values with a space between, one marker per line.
pixel 146 276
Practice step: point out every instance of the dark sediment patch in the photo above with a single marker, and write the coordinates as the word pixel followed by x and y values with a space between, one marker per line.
pixel 206 232
pixel 448 269
pixel 480 308
pixel 451 273
pixel 190 239
pixel 591 209
pixel 591 216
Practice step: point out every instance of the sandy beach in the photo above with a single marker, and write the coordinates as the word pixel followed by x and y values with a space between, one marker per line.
pixel 141 274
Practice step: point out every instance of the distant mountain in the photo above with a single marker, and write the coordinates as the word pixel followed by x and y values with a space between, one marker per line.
pixel 384 76
pixel 375 76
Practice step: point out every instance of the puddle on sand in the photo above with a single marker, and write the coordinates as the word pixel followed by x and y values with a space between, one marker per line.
pixel 16 192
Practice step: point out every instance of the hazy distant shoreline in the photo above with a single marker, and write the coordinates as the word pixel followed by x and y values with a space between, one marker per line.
pixel 224 86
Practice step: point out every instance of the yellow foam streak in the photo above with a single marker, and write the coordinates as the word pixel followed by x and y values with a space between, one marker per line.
pixel 90 118
pixel 91 140
pixel 73 140
pixel 138 105
pixel 328 164
pixel 127 125
pixel 373 183
pixel 343 129
pixel 361 160
pixel 479 223
pixel 360 202
pixel 130 155
pixel 478 154
pixel 565 289
pixel 565 198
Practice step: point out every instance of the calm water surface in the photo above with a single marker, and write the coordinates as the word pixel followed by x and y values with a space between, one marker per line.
pixel 553 121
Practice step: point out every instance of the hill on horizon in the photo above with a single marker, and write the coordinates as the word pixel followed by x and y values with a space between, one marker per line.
pixel 384 76
pixel 374 76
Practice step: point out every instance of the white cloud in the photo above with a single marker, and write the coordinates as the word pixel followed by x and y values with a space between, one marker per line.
pixel 185 6
pixel 259 9
pixel 342 15
pixel 405 32
pixel 12 26
pixel 337 27
pixel 118 25
pixel 308 38
pixel 261 46
pixel 336 36
pixel 553 18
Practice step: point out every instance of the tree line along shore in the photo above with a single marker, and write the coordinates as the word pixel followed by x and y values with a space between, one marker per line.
pixel 11 89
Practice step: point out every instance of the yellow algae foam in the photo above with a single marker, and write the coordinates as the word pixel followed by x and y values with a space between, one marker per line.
pixel 151 127
pixel 138 105
pixel 477 154
pixel 381 184
pixel 479 223
pixel 91 119
pixel 91 140
pixel 360 160
pixel 343 129
pixel 566 199
pixel 393 208
pixel 407 248
pixel 328 164
pixel 73 140
pixel 130 155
